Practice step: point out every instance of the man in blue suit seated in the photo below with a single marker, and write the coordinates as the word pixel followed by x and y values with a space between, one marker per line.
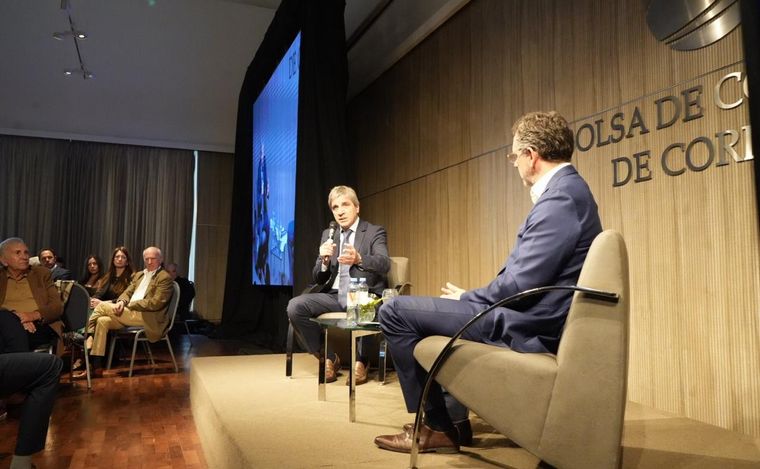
pixel 354 248
pixel 550 249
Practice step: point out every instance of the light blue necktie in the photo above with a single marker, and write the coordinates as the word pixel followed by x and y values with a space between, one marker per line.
pixel 344 278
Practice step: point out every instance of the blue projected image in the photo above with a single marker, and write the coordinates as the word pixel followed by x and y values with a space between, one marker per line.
pixel 275 132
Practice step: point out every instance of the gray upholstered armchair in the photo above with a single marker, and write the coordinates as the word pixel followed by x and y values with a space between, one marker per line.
pixel 566 409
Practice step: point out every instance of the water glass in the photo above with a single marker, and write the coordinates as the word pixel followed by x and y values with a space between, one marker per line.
pixel 366 313
pixel 389 293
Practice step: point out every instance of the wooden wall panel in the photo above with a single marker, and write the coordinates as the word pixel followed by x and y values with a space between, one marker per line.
pixel 212 231
pixel 431 135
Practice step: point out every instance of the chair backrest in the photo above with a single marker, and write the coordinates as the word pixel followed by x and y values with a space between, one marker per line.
pixel 398 276
pixel 77 307
pixel 585 416
pixel 172 309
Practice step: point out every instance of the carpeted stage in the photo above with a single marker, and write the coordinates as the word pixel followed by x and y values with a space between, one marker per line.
pixel 249 415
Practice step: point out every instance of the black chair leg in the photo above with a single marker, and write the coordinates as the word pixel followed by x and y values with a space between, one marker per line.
pixel 289 352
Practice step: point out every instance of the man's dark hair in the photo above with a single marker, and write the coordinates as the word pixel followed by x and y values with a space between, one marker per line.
pixel 39 254
pixel 547 133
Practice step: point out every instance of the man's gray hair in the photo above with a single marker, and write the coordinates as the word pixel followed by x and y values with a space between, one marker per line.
pixel 158 250
pixel 338 191
pixel 4 245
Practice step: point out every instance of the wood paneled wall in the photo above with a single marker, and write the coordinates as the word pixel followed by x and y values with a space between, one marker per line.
pixel 432 133
pixel 212 232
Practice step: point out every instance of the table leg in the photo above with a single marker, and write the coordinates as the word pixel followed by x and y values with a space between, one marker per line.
pixel 352 380
pixel 321 392
pixel 381 360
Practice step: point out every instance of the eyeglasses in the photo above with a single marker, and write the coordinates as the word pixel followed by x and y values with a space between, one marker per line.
pixel 513 156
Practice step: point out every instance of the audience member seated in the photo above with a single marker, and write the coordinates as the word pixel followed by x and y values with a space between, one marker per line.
pixel 186 292
pixel 144 303
pixel 30 305
pixel 49 259
pixel 117 279
pixel 93 273
pixel 363 253
pixel 36 375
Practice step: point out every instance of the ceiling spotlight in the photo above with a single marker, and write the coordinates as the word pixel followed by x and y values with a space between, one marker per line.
pixel 61 35
pixel 83 72
pixel 76 35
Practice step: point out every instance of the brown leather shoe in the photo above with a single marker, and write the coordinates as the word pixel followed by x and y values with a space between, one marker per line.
pixel 331 369
pixel 464 431
pixel 361 372
pixel 430 441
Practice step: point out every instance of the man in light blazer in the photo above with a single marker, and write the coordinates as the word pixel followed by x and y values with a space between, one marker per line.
pixel 364 254
pixel 550 249
pixel 145 303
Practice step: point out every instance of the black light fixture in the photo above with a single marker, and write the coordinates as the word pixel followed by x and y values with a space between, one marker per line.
pixel 64 34
pixel 77 36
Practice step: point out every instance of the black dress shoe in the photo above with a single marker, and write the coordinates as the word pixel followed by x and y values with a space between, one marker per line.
pixel 431 441
pixel 464 431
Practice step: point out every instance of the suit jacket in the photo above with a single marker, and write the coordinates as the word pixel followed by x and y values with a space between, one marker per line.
pixel 371 242
pixel 59 273
pixel 45 294
pixel 550 249
pixel 154 307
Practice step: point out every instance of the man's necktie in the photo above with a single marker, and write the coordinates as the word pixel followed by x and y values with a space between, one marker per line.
pixel 344 277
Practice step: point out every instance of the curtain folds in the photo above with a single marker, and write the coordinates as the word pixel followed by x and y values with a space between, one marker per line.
pixel 85 197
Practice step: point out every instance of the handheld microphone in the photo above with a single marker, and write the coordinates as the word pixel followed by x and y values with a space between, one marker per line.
pixel 330 234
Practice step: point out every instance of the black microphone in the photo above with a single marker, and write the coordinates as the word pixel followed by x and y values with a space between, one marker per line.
pixel 333 227
pixel 330 234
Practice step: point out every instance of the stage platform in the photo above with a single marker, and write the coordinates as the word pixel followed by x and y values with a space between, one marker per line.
pixel 249 415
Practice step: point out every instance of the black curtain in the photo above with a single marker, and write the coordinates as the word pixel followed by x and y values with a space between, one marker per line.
pixel 258 312
pixel 87 197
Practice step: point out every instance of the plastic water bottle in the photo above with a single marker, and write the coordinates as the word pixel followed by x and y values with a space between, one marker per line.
pixel 363 307
pixel 352 301
pixel 363 291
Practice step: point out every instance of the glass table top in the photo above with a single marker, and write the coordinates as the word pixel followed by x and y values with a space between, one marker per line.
pixel 342 324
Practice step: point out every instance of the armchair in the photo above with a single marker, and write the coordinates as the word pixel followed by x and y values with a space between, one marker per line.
pixel 566 409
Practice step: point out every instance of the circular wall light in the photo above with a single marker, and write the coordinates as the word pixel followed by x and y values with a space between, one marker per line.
pixel 692 24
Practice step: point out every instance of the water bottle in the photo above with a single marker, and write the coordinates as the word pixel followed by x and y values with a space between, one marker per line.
pixel 352 302
pixel 362 301
pixel 363 292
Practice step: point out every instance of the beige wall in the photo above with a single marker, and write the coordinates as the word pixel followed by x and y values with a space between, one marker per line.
pixel 431 137
pixel 212 232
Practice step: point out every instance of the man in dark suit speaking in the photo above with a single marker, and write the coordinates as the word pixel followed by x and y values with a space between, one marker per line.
pixel 357 250
pixel 550 249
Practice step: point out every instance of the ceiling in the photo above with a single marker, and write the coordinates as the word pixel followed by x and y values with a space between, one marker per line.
pixel 167 73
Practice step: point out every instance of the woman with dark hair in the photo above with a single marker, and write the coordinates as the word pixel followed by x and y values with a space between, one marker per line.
pixel 116 279
pixel 93 272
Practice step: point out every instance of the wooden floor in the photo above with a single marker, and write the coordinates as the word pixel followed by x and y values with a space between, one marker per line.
pixel 143 421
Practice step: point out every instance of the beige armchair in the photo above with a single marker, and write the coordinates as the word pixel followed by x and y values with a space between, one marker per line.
pixel 566 409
